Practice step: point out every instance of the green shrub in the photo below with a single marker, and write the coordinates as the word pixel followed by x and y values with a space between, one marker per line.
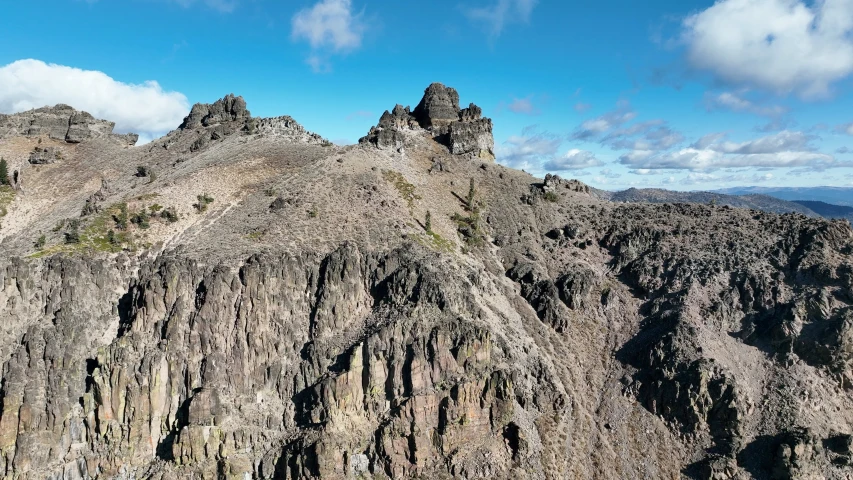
pixel 140 219
pixel 551 197
pixel 122 217
pixel 428 222
pixel 203 201
pixel 40 243
pixel 169 214
pixel 4 172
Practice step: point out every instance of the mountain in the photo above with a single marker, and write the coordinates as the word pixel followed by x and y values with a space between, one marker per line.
pixel 755 202
pixel 833 195
pixel 828 210
pixel 243 299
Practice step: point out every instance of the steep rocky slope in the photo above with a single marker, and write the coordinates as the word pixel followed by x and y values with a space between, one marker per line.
pixel 242 299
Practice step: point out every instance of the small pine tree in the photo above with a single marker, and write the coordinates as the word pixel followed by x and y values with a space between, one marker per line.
pixel 428 222
pixel 4 172
pixel 469 200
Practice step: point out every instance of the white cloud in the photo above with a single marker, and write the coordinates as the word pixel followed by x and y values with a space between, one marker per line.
pixel 696 159
pixel 145 108
pixel 782 45
pixel 526 151
pixel 329 27
pixel 502 12
pixel 599 125
pixel 737 103
pixel 781 142
pixel 846 128
pixel 574 159
pixel 581 107
pixel 523 105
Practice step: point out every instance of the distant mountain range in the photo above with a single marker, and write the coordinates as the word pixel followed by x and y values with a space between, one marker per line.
pixel 832 195
pixel 768 202
pixel 756 202
pixel 828 210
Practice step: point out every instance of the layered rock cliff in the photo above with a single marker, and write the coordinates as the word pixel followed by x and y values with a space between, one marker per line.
pixel 294 315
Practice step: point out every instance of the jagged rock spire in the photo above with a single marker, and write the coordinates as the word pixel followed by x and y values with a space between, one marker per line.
pixel 462 131
pixel 227 109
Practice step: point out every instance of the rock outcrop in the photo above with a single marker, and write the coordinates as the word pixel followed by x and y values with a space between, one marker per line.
pixel 462 131
pixel 61 122
pixel 229 115
pixel 225 110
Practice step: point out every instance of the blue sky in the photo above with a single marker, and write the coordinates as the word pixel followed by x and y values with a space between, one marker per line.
pixel 682 94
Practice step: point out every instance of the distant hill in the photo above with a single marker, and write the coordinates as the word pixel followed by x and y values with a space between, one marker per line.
pixel 833 195
pixel 828 210
pixel 756 202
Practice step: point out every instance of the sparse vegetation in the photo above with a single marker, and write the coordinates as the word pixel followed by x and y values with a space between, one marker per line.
pixel 551 196
pixel 121 217
pixel 155 208
pixel 312 213
pixel 4 172
pixel 406 189
pixel 428 222
pixel 141 171
pixel 72 235
pixel 203 201
pixel 141 219
pixel 271 192
pixel 469 226
pixel 169 214
pixel 469 199
pixel 7 195
pixel 40 243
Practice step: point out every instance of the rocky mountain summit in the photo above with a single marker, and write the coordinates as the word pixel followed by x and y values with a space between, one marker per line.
pixel 241 299
pixel 461 130
pixel 61 122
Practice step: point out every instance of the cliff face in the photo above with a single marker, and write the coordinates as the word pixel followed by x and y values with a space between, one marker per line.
pixel 305 323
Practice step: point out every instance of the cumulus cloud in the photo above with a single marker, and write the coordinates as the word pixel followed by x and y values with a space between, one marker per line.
pixel 574 159
pixel 782 45
pixel 695 159
pixel 737 103
pixel 846 128
pixel 496 16
pixel 784 141
pixel 712 152
pixel 611 130
pixel 651 135
pixel 528 150
pixel 594 127
pixel 330 26
pixel 144 108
